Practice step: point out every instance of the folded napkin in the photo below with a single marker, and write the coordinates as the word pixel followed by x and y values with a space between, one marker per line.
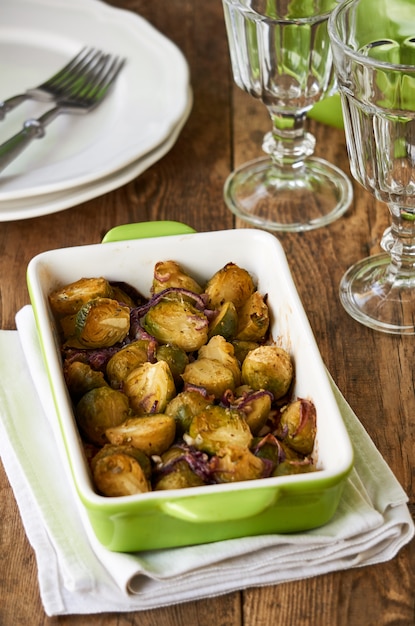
pixel 78 576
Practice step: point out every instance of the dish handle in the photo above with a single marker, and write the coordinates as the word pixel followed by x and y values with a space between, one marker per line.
pixel 146 230
pixel 220 507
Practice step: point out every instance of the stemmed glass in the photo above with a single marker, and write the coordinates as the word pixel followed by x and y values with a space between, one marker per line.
pixel 373 45
pixel 280 53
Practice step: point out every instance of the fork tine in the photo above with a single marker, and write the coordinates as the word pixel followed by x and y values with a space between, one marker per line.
pixel 105 78
pixel 67 76
pixel 83 55
pixel 98 80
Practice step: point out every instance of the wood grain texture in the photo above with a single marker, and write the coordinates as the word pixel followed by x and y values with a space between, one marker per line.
pixel 375 372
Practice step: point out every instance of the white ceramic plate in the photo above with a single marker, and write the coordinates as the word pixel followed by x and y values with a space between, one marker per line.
pixel 25 208
pixel 37 37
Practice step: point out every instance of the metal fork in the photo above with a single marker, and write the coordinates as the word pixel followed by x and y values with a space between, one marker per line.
pixel 82 96
pixel 56 84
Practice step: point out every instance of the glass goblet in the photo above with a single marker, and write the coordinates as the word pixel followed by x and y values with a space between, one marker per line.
pixel 280 54
pixel 373 45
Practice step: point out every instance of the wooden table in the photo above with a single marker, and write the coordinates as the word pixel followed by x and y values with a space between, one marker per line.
pixel 374 371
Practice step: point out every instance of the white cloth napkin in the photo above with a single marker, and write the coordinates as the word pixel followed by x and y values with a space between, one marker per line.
pixel 78 576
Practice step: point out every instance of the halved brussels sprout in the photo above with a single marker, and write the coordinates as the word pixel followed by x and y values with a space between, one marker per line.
pixel 254 405
pixel 177 322
pixel 253 319
pixel 269 448
pixel 225 323
pixel 138 455
pixel 229 284
pixel 217 427
pixel 170 274
pixel 102 323
pixel 151 434
pixel 176 358
pixel 211 375
pixel 289 453
pixel 125 361
pixel 185 406
pixel 174 471
pixel 69 299
pixel 220 350
pixel 122 296
pixel 67 325
pixel 268 367
pixel 149 388
pixel 119 474
pixel 80 378
pixel 288 467
pixel 297 426
pixel 99 409
pixel 233 464
pixel 127 294
pixel 241 348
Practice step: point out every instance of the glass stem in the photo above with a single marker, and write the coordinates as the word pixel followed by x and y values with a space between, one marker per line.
pixel 399 242
pixel 288 143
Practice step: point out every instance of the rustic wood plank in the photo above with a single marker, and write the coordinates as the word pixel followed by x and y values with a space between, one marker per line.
pixel 374 371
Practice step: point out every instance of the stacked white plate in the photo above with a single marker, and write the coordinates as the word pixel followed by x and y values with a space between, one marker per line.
pixel 82 157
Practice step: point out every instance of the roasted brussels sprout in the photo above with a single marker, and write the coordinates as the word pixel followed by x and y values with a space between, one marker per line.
pixel 175 471
pixel 288 467
pixel 120 471
pixel 217 427
pixel 177 322
pixel 225 323
pixel 268 367
pixel 125 361
pixel 297 427
pixel 99 409
pixel 138 455
pixel 218 349
pixel 67 326
pixel 270 449
pixel 80 378
pixel 233 463
pixel 102 322
pixel 127 294
pixel 122 296
pixel 241 348
pixel 176 358
pixel 69 299
pixel 230 284
pixel 151 434
pixel 185 406
pixel 253 319
pixel 210 375
pixel 170 274
pixel 149 388
pixel 254 405
pixel 284 460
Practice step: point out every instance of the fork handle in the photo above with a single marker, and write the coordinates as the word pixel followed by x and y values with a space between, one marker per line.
pixel 11 103
pixel 32 129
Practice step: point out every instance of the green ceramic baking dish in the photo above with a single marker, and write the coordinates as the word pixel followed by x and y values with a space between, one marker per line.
pixel 216 512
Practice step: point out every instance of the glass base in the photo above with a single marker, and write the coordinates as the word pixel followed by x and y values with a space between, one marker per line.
pixel 288 199
pixel 374 297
